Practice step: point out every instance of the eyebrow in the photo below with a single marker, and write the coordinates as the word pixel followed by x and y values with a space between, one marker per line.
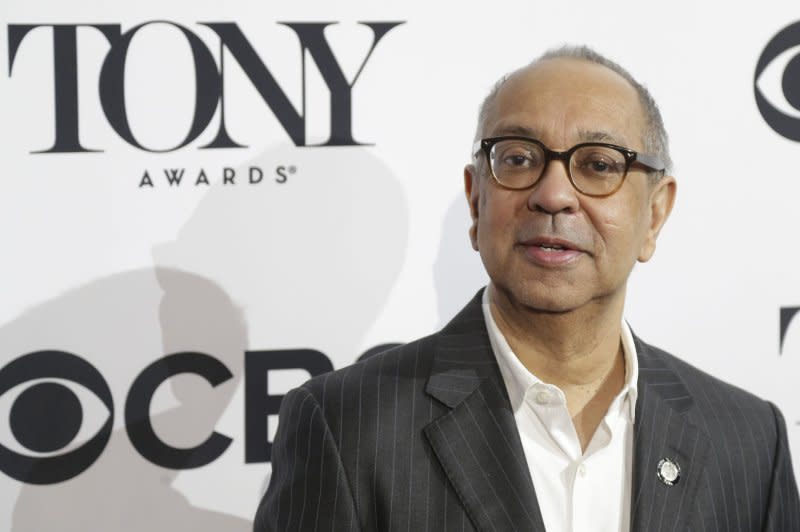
pixel 599 136
pixel 522 131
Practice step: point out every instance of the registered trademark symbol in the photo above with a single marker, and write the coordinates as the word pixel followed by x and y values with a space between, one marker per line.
pixel 292 169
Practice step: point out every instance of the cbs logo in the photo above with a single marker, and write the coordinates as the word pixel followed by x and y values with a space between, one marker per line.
pixel 54 398
pixel 57 399
pixel 777 82
pixel 47 415
pixel 787 314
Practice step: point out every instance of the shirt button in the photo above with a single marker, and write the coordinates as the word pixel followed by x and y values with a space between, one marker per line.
pixel 543 397
pixel 582 470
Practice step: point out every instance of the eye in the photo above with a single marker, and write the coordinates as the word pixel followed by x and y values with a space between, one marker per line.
pixel 598 162
pixel 517 160
pixel 515 155
pixel 599 166
pixel 54 403
pixel 777 82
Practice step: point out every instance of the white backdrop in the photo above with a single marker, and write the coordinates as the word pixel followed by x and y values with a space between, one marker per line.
pixel 338 248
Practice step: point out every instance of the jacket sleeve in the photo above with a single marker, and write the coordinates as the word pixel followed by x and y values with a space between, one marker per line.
pixel 783 508
pixel 308 489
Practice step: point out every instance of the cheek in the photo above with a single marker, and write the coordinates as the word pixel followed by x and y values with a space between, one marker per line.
pixel 490 230
pixel 620 232
pixel 496 226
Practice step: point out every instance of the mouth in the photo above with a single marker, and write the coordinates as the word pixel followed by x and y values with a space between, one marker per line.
pixel 551 251
pixel 547 247
pixel 552 244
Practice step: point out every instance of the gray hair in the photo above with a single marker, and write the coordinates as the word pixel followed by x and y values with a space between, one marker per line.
pixel 655 138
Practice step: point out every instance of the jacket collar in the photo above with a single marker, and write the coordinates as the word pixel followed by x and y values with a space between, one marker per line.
pixel 663 432
pixel 476 441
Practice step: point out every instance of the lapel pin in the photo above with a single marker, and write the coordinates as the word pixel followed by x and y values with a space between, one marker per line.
pixel 669 472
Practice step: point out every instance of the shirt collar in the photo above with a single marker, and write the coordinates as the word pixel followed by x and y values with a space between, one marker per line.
pixel 519 380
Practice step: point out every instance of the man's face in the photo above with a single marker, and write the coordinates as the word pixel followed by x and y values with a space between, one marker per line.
pixel 550 247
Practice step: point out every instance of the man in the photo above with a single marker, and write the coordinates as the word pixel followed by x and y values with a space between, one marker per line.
pixel 536 408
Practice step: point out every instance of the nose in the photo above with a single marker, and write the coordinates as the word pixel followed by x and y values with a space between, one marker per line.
pixel 554 193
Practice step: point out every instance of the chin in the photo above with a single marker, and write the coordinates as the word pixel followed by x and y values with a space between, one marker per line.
pixel 550 305
pixel 540 298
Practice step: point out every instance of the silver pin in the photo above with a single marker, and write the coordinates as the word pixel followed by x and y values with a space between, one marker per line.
pixel 669 472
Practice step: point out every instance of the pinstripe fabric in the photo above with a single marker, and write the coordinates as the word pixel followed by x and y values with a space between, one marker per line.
pixel 736 473
pixel 422 438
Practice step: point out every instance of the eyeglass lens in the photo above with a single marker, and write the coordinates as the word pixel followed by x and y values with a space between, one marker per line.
pixel 595 169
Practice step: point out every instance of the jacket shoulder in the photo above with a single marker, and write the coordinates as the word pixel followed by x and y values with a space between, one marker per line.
pixel 410 360
pixel 719 408
pixel 374 387
pixel 701 383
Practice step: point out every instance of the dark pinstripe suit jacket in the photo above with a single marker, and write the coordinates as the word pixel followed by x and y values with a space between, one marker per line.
pixel 422 438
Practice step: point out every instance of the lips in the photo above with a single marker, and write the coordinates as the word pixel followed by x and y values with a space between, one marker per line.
pixel 546 251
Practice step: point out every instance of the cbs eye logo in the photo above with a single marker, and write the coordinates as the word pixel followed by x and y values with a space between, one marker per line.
pixel 777 82
pixel 787 314
pixel 46 416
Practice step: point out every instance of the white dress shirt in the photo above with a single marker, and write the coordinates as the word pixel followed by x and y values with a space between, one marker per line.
pixel 577 492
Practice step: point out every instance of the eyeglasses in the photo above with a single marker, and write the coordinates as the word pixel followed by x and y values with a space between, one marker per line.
pixel 595 169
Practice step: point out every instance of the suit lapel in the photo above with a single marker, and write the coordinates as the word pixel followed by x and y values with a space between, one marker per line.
pixel 477 441
pixel 662 431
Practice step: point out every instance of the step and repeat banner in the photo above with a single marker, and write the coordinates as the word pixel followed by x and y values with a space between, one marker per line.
pixel 204 203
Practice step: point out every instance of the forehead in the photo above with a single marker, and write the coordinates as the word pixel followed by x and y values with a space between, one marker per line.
pixel 566 101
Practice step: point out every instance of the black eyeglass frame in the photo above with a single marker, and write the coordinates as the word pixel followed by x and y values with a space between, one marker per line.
pixel 650 161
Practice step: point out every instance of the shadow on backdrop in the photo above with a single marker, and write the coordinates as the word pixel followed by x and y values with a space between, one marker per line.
pixel 458 272
pixel 312 260
pixel 123 315
pixel 309 263
pixel 311 251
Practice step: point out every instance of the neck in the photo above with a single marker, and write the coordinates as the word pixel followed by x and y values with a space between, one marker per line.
pixel 575 348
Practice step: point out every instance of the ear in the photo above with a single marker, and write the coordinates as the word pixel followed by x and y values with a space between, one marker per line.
pixel 662 197
pixel 472 192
